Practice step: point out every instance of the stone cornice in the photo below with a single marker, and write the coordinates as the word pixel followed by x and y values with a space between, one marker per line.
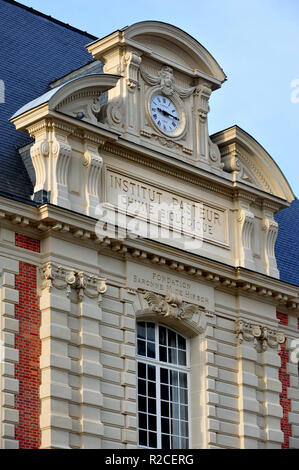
pixel 112 142
pixel 219 183
pixel 46 219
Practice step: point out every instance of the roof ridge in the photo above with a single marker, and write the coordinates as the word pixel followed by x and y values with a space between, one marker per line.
pixel 50 18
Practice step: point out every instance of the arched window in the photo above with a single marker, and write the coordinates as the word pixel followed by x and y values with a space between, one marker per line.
pixel 162 387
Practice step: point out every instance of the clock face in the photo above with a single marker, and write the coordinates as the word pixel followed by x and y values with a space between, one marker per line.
pixel 164 113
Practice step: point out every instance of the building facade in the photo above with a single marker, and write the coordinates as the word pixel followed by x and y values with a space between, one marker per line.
pixel 142 302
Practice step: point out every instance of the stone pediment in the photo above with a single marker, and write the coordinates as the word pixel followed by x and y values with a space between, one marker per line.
pixel 81 98
pixel 164 43
pixel 250 163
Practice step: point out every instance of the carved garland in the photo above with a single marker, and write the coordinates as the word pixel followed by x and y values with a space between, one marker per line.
pixel 82 283
pixel 259 334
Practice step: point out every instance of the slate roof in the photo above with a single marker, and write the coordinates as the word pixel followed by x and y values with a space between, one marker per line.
pixel 287 243
pixel 37 50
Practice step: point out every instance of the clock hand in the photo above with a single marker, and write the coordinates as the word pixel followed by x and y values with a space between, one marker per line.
pixel 166 113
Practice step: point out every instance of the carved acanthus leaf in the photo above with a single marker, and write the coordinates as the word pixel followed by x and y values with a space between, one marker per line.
pixel 173 307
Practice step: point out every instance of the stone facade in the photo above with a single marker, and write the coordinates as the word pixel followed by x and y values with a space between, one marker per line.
pixel 98 155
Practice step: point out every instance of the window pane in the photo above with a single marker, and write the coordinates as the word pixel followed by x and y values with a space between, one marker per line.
pixel 175 411
pixel 184 429
pixel 181 358
pixel 141 387
pixel 152 406
pixel 165 441
pixel 165 425
pixel 175 442
pixel 163 354
pixel 141 403
pixel 142 420
pixel 183 379
pixel 152 422
pixel 151 350
pixel 141 370
pixel 151 389
pixel 162 335
pixel 174 394
pixel 184 443
pixel 176 427
pixel 184 412
pixel 142 438
pixel 174 377
pixel 141 330
pixel 152 439
pixel 151 373
pixel 150 331
pixel 164 392
pixel 164 408
pixel 172 356
pixel 164 375
pixel 181 342
pixel 183 396
pixel 141 347
pixel 172 339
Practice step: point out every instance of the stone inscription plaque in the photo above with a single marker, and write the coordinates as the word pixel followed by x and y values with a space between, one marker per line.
pixel 173 209
pixel 162 282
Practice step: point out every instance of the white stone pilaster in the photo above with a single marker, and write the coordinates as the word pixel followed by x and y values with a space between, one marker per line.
pixel 271 386
pixel 9 386
pixel 55 391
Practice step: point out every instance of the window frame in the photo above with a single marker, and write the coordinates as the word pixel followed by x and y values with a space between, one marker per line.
pixel 158 364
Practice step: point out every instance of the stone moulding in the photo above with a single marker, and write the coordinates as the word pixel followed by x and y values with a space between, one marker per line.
pixel 259 335
pixel 232 278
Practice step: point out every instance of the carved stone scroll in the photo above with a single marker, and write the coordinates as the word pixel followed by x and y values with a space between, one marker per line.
pixel 93 162
pixel 245 219
pixel 270 230
pixel 83 284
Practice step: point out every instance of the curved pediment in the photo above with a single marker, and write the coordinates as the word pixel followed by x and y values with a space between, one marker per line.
pixel 165 43
pixel 78 98
pixel 251 163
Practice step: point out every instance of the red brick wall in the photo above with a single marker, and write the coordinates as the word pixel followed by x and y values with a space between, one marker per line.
pixel 285 381
pixel 27 341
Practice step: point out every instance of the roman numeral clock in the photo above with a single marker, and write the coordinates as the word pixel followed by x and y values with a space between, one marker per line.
pixel 161 102
pixel 165 115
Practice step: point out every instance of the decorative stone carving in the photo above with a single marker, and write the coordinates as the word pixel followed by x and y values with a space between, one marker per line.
pixel 62 154
pixel 204 93
pixel 270 229
pixel 112 113
pixel 93 162
pixel 259 334
pixel 132 62
pixel 229 158
pixel 172 305
pixel 166 81
pixel 173 308
pixel 61 278
pixel 214 154
pixel 38 152
pixel 245 219
pixel 247 331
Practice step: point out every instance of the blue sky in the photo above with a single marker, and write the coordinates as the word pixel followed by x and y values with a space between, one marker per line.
pixel 256 42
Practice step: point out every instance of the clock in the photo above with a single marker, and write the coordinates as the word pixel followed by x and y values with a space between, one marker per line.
pixel 165 114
